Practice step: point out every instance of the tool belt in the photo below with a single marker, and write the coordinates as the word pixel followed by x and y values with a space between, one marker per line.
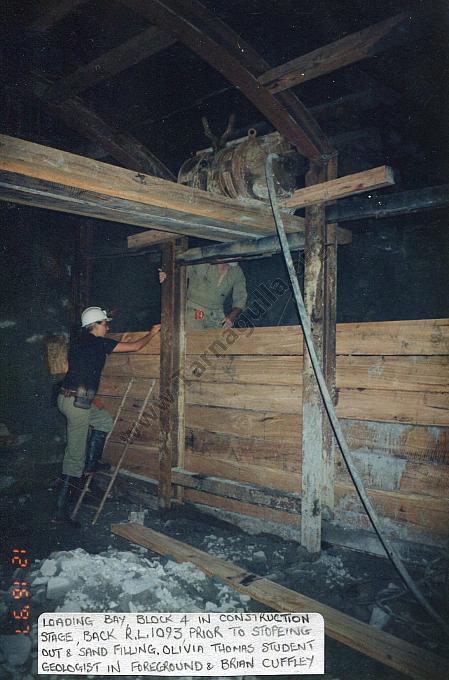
pixel 83 398
pixel 67 393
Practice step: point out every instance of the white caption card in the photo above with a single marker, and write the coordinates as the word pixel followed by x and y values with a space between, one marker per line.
pixel 181 644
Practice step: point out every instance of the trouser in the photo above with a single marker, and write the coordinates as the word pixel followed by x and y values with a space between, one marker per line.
pixel 78 422
pixel 212 317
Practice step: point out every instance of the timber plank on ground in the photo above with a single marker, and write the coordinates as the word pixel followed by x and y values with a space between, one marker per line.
pixel 404 657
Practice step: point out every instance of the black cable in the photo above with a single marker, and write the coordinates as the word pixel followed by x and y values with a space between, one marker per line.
pixel 335 423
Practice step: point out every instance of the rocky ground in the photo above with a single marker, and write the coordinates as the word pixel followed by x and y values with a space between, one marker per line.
pixel 91 569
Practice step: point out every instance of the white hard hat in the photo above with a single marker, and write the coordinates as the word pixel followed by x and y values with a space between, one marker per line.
pixel 93 314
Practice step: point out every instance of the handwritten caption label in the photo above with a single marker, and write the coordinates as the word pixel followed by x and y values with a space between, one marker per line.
pixel 181 644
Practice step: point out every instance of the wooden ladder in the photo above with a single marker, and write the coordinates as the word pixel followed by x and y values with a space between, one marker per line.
pixel 127 444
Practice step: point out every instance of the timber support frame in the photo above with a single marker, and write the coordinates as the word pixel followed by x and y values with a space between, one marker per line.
pixel 172 363
pixel 318 467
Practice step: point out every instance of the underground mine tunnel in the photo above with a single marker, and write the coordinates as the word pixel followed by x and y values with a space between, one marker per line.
pixel 225 339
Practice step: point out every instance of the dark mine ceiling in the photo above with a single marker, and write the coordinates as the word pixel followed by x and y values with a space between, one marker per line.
pixel 161 98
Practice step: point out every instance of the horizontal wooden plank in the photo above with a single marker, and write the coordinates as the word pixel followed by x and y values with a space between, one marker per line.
pixel 420 513
pixel 278 398
pixel 407 338
pixel 253 460
pixel 61 198
pixel 412 373
pixel 250 493
pixel 273 464
pixel 58 167
pixel 377 472
pixel 276 455
pixel 409 441
pixel 115 386
pixel 425 337
pixel 139 459
pixel 266 341
pixel 415 662
pixel 387 473
pixel 423 408
pixel 347 50
pixel 241 507
pixel 413 442
pixel 361 404
pixel 394 406
pixel 239 471
pixel 243 248
pixel 368 180
pixel 423 512
pixel 147 239
pixel 261 424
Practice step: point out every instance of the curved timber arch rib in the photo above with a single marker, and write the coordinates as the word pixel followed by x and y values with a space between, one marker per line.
pixel 215 42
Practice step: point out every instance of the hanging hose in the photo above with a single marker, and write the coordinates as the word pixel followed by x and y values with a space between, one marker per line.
pixel 335 423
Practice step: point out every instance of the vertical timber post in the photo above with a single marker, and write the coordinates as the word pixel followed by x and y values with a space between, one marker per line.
pixel 172 357
pixel 312 408
pixel 330 352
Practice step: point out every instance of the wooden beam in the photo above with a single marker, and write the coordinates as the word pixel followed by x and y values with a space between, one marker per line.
pixel 122 146
pixel 389 205
pixel 312 461
pixel 343 186
pixel 413 661
pixel 215 42
pixel 348 50
pixel 41 194
pixel 53 11
pixel 329 347
pixel 248 493
pixel 29 161
pixel 261 247
pixel 109 64
pixel 172 363
pixel 424 337
pixel 410 374
pixel 150 238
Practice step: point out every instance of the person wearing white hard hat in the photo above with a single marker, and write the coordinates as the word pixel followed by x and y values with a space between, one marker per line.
pixel 87 357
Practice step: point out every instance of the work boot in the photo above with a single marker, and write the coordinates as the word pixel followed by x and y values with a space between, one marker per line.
pixel 94 451
pixel 63 504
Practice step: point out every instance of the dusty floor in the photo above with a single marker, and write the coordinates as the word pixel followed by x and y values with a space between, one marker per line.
pixel 349 581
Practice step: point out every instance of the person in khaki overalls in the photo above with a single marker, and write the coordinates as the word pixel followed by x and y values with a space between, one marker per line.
pixel 208 287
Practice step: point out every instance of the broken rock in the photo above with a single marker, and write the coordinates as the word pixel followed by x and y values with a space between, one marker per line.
pixel 58 587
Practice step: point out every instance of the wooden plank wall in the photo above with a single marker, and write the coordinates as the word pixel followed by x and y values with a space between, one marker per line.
pixel 243 418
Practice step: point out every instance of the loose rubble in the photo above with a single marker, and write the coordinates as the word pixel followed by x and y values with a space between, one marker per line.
pixel 113 581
